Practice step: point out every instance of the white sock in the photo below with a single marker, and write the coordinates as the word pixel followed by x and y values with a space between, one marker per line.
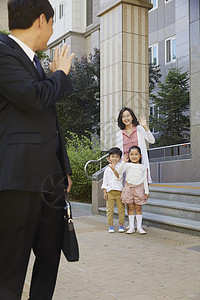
pixel 139 224
pixel 131 221
pixel 139 221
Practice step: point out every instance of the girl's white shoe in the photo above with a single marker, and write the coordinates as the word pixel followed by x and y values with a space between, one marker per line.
pixel 131 230
pixel 141 231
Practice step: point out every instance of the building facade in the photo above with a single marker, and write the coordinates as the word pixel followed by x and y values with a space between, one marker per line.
pixel 168 38
pixel 75 23
pixel 169 34
pixel 3 15
pixel 194 88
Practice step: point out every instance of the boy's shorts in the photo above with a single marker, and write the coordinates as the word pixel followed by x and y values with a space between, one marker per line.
pixel 133 194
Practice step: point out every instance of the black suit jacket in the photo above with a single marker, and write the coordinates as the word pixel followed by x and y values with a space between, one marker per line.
pixel 28 121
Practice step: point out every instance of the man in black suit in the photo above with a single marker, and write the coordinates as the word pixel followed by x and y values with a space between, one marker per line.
pixel 31 148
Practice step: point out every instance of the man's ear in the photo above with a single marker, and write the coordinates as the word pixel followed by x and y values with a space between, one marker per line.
pixel 42 21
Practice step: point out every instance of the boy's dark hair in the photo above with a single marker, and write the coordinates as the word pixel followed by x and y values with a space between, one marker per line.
pixel 23 13
pixel 115 150
pixel 139 150
pixel 119 120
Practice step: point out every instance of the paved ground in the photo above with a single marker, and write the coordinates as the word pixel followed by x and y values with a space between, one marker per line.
pixel 161 265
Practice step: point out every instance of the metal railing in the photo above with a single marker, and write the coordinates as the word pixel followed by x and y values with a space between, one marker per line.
pixel 172 150
pixel 94 161
pixel 165 151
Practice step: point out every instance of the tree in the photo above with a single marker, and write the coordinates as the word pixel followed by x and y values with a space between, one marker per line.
pixel 172 101
pixel 41 55
pixel 80 111
pixel 154 76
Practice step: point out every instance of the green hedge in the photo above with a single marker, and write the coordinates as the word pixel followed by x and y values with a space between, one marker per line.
pixel 80 151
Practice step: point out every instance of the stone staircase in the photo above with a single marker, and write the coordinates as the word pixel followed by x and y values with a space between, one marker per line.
pixel 173 207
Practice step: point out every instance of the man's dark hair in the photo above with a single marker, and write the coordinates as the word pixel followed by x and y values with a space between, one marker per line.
pixel 115 150
pixel 119 120
pixel 23 13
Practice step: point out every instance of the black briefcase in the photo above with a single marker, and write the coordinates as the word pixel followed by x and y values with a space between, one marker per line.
pixel 70 244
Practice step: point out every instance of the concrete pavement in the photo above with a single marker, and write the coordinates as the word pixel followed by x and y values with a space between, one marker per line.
pixel 161 265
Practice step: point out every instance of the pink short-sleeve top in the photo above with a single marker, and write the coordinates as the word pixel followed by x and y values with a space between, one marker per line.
pixel 129 140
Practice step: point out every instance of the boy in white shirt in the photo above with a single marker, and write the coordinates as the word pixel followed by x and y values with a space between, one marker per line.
pixel 112 185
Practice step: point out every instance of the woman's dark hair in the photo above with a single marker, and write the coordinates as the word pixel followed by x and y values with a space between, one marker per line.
pixel 23 13
pixel 119 120
pixel 115 150
pixel 138 149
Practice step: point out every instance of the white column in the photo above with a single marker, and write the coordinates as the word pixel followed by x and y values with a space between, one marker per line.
pixel 124 62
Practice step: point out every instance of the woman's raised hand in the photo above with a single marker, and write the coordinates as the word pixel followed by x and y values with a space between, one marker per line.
pixel 143 122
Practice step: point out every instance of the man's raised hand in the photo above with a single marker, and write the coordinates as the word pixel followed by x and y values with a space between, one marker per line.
pixel 62 61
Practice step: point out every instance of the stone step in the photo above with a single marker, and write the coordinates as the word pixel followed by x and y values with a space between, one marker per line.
pixel 165 222
pixel 172 223
pixel 183 210
pixel 178 193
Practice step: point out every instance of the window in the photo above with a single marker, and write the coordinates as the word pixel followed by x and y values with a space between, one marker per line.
pixel 52 50
pixel 89 12
pixel 174 49
pixel 153 54
pixel 155 3
pixel 61 44
pixel 54 17
pixel 61 10
pixel 154 115
pixel 170 50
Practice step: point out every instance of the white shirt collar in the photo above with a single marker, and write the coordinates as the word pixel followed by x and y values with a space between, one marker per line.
pixel 29 52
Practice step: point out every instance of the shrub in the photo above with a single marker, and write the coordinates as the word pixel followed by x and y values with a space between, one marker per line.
pixel 80 151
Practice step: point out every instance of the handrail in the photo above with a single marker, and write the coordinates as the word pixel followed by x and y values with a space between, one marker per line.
pixel 96 160
pixel 171 146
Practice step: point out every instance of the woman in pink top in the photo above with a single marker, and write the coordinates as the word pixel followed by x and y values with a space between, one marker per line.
pixel 134 133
